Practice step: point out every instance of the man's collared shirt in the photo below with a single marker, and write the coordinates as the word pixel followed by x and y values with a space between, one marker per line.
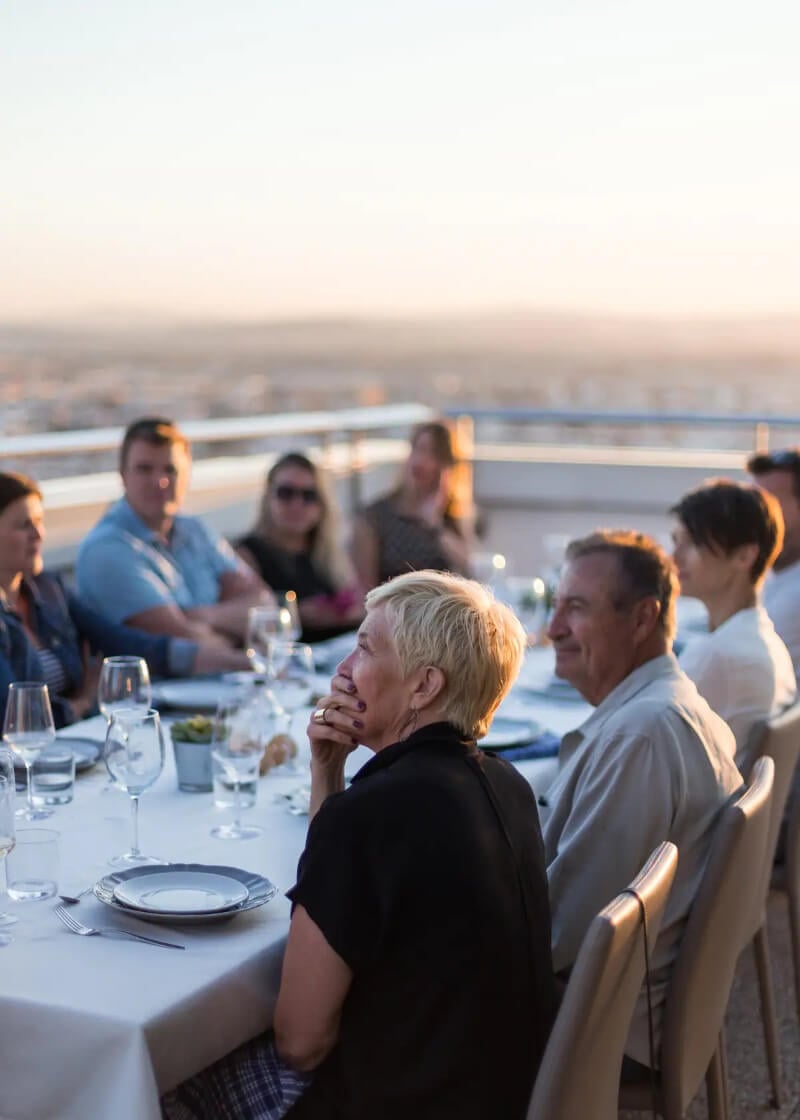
pixel 124 567
pixel 652 763
pixel 745 672
pixel 781 598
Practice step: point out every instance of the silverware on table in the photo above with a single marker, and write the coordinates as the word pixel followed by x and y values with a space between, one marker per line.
pixel 72 900
pixel 74 926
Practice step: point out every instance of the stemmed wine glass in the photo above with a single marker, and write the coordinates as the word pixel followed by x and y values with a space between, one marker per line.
pixel 7 837
pixel 290 668
pixel 134 757
pixel 278 619
pixel 28 728
pixel 237 746
pixel 124 684
pixel 289 612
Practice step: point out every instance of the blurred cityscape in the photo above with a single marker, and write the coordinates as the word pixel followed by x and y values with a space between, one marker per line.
pixel 102 372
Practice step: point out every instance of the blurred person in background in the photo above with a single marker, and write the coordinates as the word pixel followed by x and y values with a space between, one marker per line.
pixel 421 523
pixel 150 566
pixel 48 634
pixel 725 538
pixel 779 473
pixel 294 546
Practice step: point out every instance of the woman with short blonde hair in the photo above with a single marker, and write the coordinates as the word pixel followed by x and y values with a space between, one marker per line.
pixel 420 915
pixel 456 624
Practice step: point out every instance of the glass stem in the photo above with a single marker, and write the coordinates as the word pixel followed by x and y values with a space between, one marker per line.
pixel 237 804
pixel 28 775
pixel 135 824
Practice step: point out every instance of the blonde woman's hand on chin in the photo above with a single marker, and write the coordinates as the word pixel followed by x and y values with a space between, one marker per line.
pixel 333 733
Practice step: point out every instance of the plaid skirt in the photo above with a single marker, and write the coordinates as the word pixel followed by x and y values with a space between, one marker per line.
pixel 251 1083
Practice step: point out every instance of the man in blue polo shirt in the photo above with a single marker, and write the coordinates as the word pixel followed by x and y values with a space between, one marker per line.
pixel 149 566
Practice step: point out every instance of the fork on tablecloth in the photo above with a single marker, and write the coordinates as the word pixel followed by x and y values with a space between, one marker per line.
pixel 74 926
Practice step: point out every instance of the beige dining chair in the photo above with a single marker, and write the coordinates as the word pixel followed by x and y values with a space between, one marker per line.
pixel 787 879
pixel 778 739
pixel 692 1043
pixel 579 1074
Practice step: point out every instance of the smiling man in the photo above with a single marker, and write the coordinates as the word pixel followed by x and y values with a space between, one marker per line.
pixel 148 565
pixel 652 762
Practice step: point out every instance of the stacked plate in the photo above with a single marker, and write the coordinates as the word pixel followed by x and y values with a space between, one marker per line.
pixel 184 893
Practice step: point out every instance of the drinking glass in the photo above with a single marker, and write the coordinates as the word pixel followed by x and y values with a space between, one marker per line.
pixel 289 612
pixel 279 619
pixel 28 728
pixel 237 745
pixel 7 797
pixel 124 683
pixel 291 673
pixel 291 680
pixel 134 757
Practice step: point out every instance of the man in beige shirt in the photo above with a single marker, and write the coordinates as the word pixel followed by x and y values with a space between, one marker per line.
pixel 652 763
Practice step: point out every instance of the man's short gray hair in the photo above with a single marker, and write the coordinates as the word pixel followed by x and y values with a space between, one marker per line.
pixel 456 625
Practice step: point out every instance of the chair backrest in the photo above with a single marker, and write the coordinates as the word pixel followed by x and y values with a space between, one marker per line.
pixel 579 1074
pixel 779 740
pixel 715 934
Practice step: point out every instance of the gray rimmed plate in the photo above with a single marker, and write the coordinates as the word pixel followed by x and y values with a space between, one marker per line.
pixel 509 733
pixel 259 891
pixel 87 752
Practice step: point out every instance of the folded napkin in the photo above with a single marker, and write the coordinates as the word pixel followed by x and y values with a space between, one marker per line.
pixel 544 745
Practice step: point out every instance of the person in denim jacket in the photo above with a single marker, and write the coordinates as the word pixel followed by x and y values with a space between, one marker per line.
pixel 48 634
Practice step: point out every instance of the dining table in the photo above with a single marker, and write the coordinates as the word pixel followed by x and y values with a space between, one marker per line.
pixel 95 1028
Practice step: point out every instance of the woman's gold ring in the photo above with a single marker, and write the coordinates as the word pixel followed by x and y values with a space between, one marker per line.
pixel 319 715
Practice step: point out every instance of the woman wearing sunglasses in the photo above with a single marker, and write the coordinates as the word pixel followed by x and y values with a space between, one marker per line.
pixel 294 546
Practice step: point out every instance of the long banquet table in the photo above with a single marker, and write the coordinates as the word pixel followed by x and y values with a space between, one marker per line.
pixel 93 1028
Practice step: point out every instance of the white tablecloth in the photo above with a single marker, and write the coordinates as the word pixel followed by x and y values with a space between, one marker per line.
pixel 96 1028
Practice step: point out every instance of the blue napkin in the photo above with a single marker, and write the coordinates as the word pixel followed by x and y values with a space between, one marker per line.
pixel 543 746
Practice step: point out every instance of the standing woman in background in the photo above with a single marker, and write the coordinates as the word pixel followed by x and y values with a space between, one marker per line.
pixel 294 546
pixel 418 525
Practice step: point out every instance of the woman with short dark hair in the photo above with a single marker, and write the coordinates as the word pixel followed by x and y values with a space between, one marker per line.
pixel 725 538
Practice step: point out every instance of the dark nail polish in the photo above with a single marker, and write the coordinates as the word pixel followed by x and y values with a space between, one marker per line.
pixel 357 723
pixel 351 687
pixel 362 706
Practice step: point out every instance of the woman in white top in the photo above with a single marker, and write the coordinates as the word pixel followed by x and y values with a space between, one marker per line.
pixel 726 536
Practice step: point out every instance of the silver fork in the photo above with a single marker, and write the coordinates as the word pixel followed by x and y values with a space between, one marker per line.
pixel 72 924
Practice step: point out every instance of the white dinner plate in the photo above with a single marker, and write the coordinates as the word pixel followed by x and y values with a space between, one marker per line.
pixel 181 892
pixel 194 695
pixel 259 891
pixel 510 733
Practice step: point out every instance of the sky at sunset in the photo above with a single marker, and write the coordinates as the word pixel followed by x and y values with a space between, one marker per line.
pixel 259 158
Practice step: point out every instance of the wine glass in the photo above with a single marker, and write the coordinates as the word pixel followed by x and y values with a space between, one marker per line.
pixel 134 757
pixel 124 683
pixel 237 746
pixel 289 613
pixel 291 672
pixel 278 619
pixel 28 728
pixel 7 839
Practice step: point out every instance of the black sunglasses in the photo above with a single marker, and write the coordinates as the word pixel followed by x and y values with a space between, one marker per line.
pixel 285 493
